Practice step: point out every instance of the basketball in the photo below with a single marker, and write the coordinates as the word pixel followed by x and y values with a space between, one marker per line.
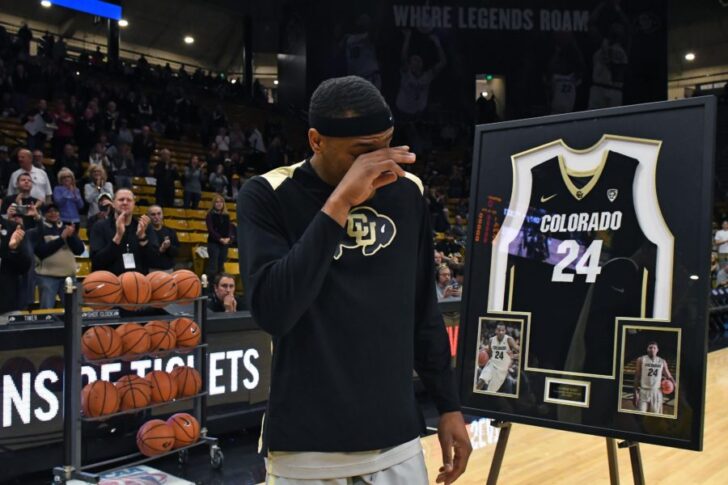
pixel 187 380
pixel 134 338
pixel 667 386
pixel 155 437
pixel 186 429
pixel 188 284
pixel 134 392
pixel 135 289
pixel 164 287
pixel 99 398
pixel 161 336
pixel 483 358
pixel 101 287
pixel 101 342
pixel 186 331
pixel 163 386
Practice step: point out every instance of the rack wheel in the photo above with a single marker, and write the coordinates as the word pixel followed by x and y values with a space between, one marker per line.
pixel 216 457
pixel 183 457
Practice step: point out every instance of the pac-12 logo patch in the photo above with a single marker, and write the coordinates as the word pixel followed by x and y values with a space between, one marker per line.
pixel 368 230
pixel 612 194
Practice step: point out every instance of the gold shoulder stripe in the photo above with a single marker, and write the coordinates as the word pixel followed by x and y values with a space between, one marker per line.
pixel 276 177
pixel 414 178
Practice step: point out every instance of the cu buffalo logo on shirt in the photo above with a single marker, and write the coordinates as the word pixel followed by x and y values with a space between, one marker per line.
pixel 368 230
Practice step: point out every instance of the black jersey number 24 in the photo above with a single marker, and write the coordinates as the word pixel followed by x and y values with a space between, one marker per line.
pixel 588 263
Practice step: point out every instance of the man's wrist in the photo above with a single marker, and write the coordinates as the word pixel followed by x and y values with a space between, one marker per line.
pixel 337 209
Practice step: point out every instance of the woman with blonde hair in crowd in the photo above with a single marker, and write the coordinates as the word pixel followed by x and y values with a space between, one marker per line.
pixel 220 230
pixel 67 197
pixel 95 187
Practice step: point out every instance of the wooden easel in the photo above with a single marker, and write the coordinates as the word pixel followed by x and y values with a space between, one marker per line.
pixel 612 445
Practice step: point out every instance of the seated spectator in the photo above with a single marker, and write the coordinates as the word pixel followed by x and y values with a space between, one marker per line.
pixel 122 167
pixel 22 208
pixel 214 158
pixel 222 298
pixel 125 135
pixel 67 197
pixel 123 243
pixel 39 125
pixel 144 146
pixel 41 189
pixel 38 159
pixel 96 186
pixel 222 140
pixel 64 134
pixel 218 180
pixel 714 267
pixel 446 287
pixel 235 186
pixel 167 239
pixel 237 138
pixel 98 156
pixel 255 140
pixel 721 242
pixel 111 118
pixel 144 110
pixel 105 202
pixel 192 183
pixel 69 160
pixel 459 230
pixel 15 263
pixel 220 231
pixel 166 173
pixel 86 133
pixel 721 280
pixel 55 246
pixel 7 167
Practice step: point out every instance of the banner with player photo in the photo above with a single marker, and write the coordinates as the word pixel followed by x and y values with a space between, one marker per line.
pixel 588 272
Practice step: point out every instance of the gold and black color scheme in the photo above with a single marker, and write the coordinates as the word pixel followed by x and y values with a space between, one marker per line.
pixel 600 235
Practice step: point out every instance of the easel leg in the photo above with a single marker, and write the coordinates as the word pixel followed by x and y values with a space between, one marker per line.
pixel 635 458
pixel 612 461
pixel 500 450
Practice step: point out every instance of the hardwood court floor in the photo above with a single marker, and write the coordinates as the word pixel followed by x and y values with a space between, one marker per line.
pixel 544 456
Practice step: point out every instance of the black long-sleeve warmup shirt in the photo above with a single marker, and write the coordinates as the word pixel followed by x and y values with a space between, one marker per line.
pixel 352 311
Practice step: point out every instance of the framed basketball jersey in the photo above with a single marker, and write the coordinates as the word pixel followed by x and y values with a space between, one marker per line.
pixel 589 244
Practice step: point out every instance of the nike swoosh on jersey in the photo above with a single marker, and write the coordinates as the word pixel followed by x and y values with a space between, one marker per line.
pixel 546 199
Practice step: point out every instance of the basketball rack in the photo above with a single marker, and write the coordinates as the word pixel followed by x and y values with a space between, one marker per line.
pixel 75 322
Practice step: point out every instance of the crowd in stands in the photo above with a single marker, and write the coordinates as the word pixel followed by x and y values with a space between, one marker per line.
pixel 91 127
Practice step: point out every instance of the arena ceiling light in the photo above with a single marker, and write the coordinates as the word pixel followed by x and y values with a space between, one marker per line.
pixel 189 39
pixel 46 4
pixel 690 56
pixel 275 81
pixel 123 23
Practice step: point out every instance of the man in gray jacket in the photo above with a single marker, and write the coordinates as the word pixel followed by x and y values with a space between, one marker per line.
pixel 55 246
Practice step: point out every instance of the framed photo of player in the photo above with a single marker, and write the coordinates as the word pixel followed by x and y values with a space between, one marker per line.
pixel 498 363
pixel 650 371
pixel 582 224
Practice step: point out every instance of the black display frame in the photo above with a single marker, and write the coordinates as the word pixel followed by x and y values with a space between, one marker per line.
pixel 492 176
